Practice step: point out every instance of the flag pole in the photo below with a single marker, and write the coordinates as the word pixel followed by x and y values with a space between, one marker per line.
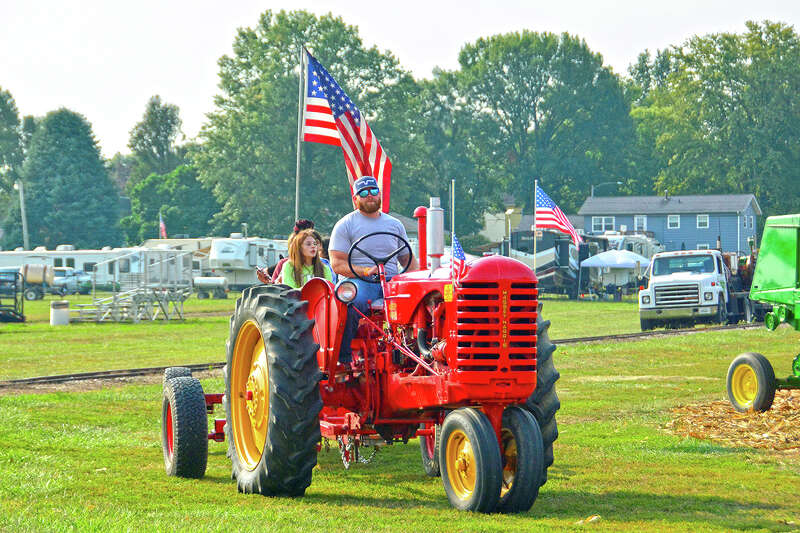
pixel 533 227
pixel 300 100
pixel 452 211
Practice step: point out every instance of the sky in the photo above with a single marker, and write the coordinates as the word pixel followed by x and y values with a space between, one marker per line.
pixel 105 59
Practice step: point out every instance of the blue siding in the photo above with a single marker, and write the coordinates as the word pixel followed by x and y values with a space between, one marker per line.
pixel 729 227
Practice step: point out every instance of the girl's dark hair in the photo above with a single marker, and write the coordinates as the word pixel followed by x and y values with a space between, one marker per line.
pixel 303 223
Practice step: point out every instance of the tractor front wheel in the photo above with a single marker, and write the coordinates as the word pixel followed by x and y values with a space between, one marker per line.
pixel 429 449
pixel 523 460
pixel 544 402
pixel 184 428
pixel 272 398
pixel 469 458
pixel 751 383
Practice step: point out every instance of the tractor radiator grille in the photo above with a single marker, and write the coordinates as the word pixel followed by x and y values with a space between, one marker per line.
pixel 496 326
pixel 688 294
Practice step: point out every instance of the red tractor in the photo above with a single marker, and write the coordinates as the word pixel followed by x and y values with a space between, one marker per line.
pixel 462 362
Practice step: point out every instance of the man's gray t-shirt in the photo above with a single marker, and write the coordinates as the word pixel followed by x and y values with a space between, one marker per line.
pixel 355 225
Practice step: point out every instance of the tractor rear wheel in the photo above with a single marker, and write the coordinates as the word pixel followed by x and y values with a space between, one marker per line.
pixel 429 449
pixel 272 398
pixel 544 403
pixel 469 458
pixel 751 383
pixel 184 428
pixel 523 460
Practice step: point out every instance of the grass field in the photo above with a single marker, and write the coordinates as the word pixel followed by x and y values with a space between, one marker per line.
pixel 91 460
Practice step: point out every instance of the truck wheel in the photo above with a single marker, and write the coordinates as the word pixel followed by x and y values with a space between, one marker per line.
pixel 31 294
pixel 544 403
pixel 722 314
pixel 469 457
pixel 429 449
pixel 272 398
pixel 646 324
pixel 175 372
pixel 184 428
pixel 202 295
pixel 751 383
pixel 523 458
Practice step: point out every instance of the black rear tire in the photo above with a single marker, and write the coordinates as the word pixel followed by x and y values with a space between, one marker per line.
pixel 184 428
pixel 175 372
pixel 523 458
pixel 275 316
pixel 429 450
pixel 544 402
pixel 476 487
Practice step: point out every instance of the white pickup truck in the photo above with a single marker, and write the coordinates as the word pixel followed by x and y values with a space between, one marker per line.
pixel 687 287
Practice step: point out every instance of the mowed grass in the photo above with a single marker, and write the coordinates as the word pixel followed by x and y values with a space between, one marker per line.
pixel 92 461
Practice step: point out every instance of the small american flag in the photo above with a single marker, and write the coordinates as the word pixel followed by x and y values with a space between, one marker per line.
pixel 162 228
pixel 458 260
pixel 549 216
pixel 330 117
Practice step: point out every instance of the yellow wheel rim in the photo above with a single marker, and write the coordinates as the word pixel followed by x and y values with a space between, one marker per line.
pixel 509 460
pixel 744 385
pixel 249 395
pixel 461 468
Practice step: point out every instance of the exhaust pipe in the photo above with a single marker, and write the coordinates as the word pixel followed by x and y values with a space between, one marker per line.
pixel 435 233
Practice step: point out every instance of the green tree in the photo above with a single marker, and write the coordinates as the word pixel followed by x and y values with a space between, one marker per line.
pixel 185 205
pixel 152 140
pixel 726 120
pixel 247 154
pixel 10 141
pixel 552 112
pixel 68 195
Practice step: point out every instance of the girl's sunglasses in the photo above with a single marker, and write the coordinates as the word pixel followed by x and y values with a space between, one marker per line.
pixel 374 191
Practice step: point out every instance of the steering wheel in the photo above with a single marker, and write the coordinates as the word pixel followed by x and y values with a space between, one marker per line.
pixel 378 260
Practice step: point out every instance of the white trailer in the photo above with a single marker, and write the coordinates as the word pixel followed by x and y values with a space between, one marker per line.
pixel 221 263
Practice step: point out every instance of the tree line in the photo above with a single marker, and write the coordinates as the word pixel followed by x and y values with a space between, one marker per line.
pixel 715 114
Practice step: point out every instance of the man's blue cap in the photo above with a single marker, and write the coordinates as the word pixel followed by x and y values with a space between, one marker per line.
pixel 364 182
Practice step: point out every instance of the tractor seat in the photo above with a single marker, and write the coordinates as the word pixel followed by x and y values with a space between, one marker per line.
pixel 377 305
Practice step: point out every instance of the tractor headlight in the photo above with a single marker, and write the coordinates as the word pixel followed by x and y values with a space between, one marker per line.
pixel 346 291
pixel 708 296
pixel 645 298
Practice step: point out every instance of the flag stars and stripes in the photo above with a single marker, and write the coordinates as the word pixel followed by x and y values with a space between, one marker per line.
pixel 549 216
pixel 331 117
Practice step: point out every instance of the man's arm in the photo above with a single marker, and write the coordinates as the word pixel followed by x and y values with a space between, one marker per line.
pixel 403 259
pixel 340 266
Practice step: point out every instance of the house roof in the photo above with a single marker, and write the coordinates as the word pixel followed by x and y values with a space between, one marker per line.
pixel 660 205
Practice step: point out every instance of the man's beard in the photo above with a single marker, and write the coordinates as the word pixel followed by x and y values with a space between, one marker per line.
pixel 369 208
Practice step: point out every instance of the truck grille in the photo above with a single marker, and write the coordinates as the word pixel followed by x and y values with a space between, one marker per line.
pixel 496 326
pixel 688 294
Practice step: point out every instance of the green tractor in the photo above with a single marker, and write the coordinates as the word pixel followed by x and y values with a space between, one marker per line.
pixel 751 379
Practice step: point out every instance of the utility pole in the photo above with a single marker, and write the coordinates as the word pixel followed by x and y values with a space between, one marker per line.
pixel 25 242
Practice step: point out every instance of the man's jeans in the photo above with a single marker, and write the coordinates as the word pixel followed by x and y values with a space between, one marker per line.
pixel 367 292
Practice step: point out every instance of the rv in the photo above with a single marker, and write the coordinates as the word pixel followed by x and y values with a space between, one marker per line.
pixel 233 259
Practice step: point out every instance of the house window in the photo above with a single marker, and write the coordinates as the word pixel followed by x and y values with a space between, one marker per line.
pixel 640 223
pixel 702 223
pixel 673 221
pixel 124 266
pixel 111 267
pixel 88 267
pixel 744 221
pixel 71 262
pixel 57 262
pixel 601 224
pixel 752 222
pixel 702 246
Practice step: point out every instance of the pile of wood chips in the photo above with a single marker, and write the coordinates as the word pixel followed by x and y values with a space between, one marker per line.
pixel 777 429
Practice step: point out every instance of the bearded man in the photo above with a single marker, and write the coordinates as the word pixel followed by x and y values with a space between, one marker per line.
pixel 366 218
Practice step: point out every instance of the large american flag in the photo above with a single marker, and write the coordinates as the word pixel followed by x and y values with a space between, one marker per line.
pixel 549 216
pixel 330 117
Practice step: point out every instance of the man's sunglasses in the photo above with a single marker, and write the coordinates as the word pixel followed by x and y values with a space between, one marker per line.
pixel 374 191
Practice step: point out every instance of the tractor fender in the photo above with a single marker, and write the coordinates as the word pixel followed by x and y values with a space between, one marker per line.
pixel 329 315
